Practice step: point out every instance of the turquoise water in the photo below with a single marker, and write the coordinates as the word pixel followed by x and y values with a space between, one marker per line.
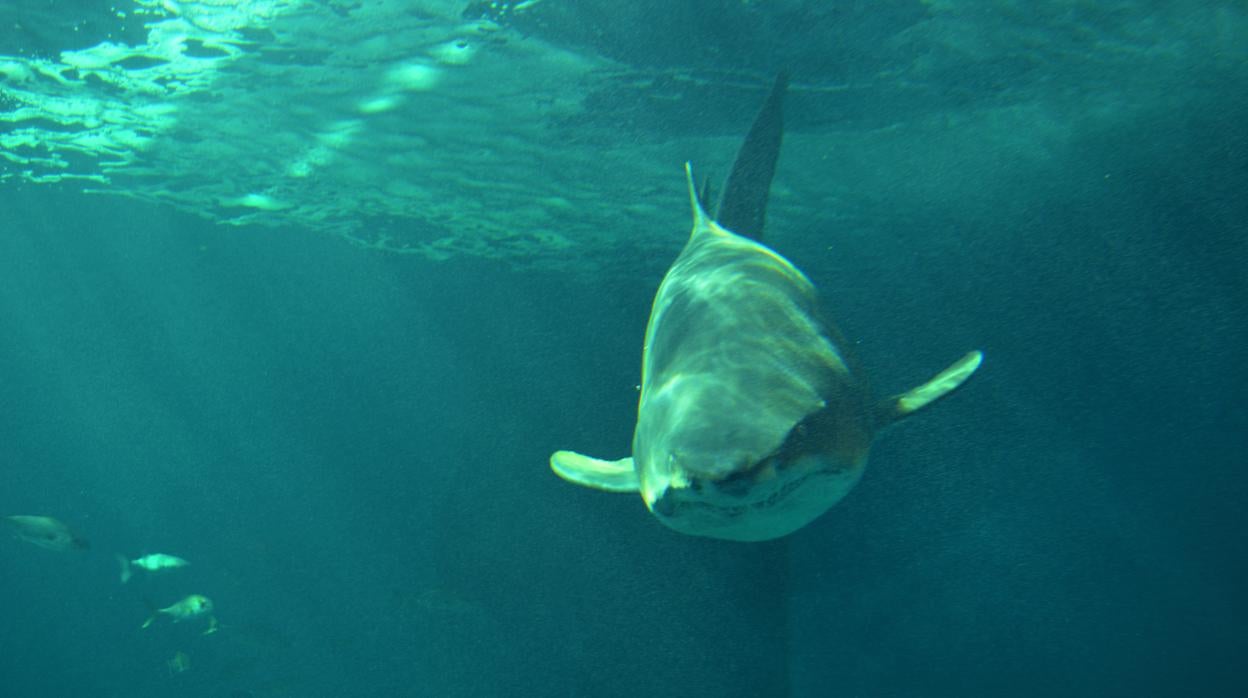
pixel 337 398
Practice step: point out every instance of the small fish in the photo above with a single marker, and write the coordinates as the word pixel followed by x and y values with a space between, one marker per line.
pixel 46 532
pixel 156 562
pixel 191 607
pixel 179 663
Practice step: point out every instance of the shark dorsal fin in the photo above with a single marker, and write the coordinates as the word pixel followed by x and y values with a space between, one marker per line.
pixel 701 221
pixel 743 206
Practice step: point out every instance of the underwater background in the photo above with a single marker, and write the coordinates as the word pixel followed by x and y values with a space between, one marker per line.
pixel 307 293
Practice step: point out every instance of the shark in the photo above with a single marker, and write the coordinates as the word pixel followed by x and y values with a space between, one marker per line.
pixel 754 416
pixel 46 532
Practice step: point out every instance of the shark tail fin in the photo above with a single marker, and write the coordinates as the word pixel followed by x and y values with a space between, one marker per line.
pixel 898 407
pixel 612 476
pixel 126 572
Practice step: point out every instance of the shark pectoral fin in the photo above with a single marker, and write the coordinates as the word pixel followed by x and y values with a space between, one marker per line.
pixel 609 475
pixel 902 406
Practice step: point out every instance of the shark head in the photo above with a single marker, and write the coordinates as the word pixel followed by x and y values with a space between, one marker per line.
pixel 749 453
